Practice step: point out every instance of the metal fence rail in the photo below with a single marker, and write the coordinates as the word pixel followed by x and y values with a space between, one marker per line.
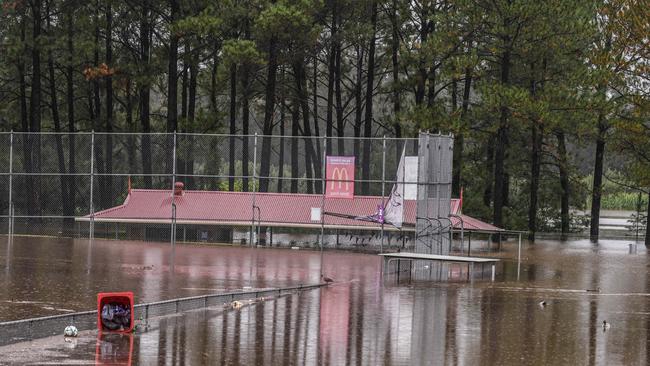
pixel 48 179
pixel 29 329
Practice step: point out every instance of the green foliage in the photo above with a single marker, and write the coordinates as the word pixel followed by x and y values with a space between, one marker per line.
pixel 207 22
pixel 617 194
pixel 291 22
pixel 241 51
pixel 638 222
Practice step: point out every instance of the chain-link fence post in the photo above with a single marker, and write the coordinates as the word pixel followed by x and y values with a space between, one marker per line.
pixel 322 201
pixel 383 191
pixel 252 235
pixel 173 228
pixel 173 233
pixel 11 171
pixel 91 233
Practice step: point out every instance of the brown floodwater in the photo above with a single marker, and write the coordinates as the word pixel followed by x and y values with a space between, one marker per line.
pixel 360 319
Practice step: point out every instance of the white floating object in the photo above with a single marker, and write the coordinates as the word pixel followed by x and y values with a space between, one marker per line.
pixel 247 288
pixel 295 248
pixel 70 331
pixel 236 304
pixel 606 326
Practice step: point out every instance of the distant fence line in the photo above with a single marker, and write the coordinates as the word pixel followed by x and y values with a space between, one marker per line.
pixel 50 177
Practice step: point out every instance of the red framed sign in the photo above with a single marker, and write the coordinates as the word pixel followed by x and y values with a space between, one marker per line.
pixel 340 177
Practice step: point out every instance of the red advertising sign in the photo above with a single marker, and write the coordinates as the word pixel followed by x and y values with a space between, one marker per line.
pixel 340 177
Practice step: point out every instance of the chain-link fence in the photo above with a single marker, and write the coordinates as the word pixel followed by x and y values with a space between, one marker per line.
pixel 66 184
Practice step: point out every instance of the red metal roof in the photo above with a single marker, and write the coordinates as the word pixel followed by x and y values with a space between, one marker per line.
pixel 472 224
pixel 276 209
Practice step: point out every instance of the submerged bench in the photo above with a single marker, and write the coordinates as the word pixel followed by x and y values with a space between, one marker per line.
pixel 388 257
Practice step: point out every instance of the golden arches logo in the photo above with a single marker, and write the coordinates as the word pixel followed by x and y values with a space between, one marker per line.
pixel 341 176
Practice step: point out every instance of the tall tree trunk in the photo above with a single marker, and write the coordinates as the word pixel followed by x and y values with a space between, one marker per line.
pixel 97 120
pixel 311 159
pixel 24 123
pixel 213 90
pixel 72 180
pixel 431 75
pixel 331 71
pixel 318 154
pixel 215 145
pixel 130 126
pixel 564 182
pixel 537 136
pixel 191 112
pixel 431 80
pixel 184 85
pixel 68 221
pixel 309 153
pixel 295 132
pixel 185 81
pixel 500 178
pixel 281 152
pixel 172 71
pixel 596 192
pixel 459 141
pixel 370 83
pixel 358 108
pixel 145 31
pixel 269 105
pixel 233 126
pixel 397 107
pixel 172 90
pixel 245 119
pixel 421 75
pixel 340 119
pixel 109 107
pixel 35 103
pixel 489 169
pixel 537 140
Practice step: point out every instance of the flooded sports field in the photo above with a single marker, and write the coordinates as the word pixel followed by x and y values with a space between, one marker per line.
pixel 553 313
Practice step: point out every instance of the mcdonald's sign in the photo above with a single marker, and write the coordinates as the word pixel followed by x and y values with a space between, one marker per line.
pixel 340 177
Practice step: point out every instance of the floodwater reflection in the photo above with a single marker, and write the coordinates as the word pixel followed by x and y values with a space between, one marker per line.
pixel 360 318
pixel 114 349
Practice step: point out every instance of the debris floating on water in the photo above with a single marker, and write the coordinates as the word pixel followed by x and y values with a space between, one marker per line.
pixel 326 279
pixel 236 304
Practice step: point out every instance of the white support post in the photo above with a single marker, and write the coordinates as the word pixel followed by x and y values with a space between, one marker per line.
pixel 383 192
pixel 438 183
pixel 173 228
pixel 322 200
pixel 91 234
pixel 173 233
pixel 174 162
pixel 252 235
pixel 519 257
pixel 11 172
